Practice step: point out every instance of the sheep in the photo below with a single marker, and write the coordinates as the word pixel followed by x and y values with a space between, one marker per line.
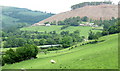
pixel 22 69
pixel 52 61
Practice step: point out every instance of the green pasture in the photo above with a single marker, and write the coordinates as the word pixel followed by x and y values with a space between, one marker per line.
pixel 83 29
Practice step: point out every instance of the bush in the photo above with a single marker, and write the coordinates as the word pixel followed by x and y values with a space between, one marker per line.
pixel 105 32
pixel 10 56
pixel 2 62
pixel 67 41
pixel 21 53
pixel 94 35
pixel 64 27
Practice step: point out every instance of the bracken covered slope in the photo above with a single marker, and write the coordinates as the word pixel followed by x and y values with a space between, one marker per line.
pixel 94 12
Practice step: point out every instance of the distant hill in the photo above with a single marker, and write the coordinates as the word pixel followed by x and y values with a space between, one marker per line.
pixel 13 16
pixel 104 11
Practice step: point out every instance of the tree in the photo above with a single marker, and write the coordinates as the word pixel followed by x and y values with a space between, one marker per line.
pixel 21 53
pixel 88 3
pixel 50 41
pixel 29 52
pixel 85 19
pixel 29 41
pixel 112 29
pixel 21 42
pixel 42 41
pixel 74 21
pixel 64 27
pixel 36 42
pixel 4 34
pixel 106 24
pixel 53 32
pixel 46 22
pixel 10 56
pixel 66 41
pixel 105 32
pixel 64 33
pixel 11 42
pixel 2 62
pixel 77 32
pixel 61 23
pixel 93 35
pixel 33 49
pixel 57 39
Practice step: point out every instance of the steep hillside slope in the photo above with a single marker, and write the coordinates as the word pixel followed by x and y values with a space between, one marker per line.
pixel 94 12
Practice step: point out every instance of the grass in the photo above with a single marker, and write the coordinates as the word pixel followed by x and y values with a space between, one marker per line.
pixel 83 30
pixel 97 28
pixel 103 55
pixel 5 49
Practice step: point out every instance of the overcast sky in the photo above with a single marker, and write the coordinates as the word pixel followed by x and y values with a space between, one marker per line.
pixel 53 6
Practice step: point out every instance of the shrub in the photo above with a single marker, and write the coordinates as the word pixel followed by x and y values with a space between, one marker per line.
pixel 10 56
pixel 21 53
pixel 2 62
pixel 64 27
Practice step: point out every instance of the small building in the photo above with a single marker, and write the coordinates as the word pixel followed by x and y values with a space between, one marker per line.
pixel 91 23
pixel 82 24
pixel 38 24
pixel 47 25
pixel 95 26
pixel 48 46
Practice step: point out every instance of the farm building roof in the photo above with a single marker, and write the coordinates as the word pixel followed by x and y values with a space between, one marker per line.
pixel 46 46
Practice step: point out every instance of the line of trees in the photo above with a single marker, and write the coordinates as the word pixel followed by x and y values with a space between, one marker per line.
pixel 20 38
pixel 72 21
pixel 89 3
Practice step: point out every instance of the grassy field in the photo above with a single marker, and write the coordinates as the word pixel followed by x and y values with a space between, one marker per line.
pixel 83 30
pixel 102 55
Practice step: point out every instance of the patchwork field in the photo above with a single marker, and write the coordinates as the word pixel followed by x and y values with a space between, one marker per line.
pixel 102 55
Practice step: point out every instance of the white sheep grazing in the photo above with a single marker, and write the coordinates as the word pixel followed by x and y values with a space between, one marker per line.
pixel 22 69
pixel 52 61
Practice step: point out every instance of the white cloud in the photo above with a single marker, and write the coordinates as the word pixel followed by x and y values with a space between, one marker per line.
pixel 54 6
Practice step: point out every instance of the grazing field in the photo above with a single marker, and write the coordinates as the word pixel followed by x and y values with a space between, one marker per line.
pixel 83 29
pixel 102 55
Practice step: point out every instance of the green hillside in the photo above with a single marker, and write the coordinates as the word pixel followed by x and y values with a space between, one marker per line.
pixel 102 55
pixel 8 21
pixel 13 16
